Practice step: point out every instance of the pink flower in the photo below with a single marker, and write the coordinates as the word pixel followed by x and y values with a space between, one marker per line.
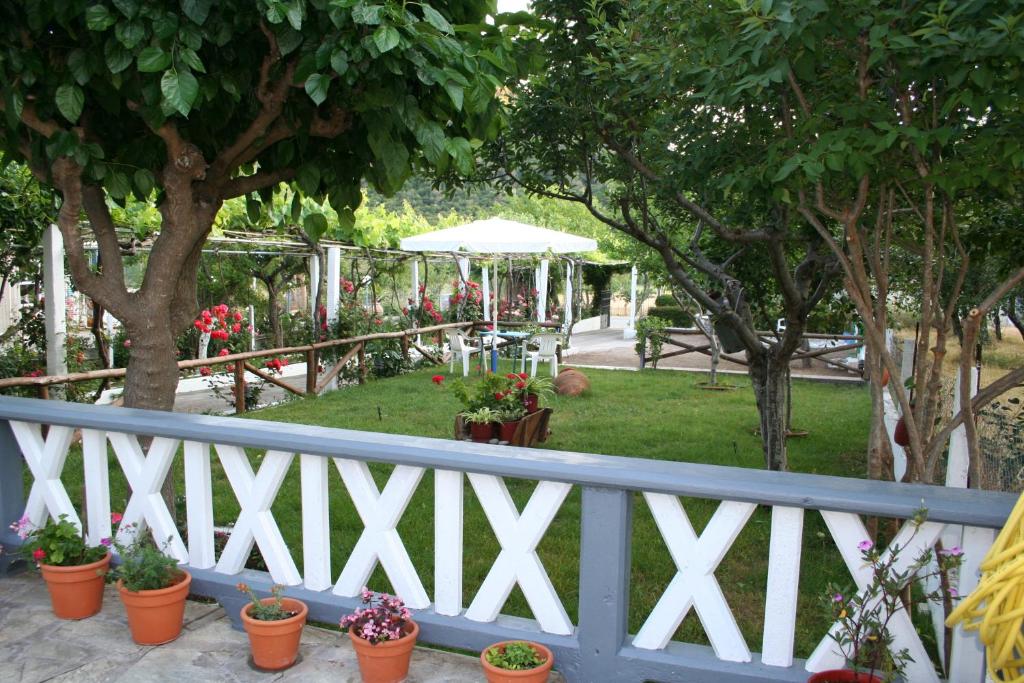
pixel 116 517
pixel 237 327
pixel 838 597
pixel 223 352
pixel 106 542
pixel 865 546
pixel 955 551
pixel 127 343
pixel 38 554
pixel 238 317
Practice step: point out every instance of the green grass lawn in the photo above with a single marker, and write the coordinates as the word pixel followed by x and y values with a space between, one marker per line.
pixel 653 414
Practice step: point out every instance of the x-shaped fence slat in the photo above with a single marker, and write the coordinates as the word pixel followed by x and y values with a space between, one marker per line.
pixel 694 584
pixel 146 474
pixel 380 513
pixel 518 561
pixel 848 530
pixel 256 524
pixel 45 460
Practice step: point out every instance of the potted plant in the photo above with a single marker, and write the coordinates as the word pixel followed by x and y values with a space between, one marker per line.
pixel 274 625
pixel 72 569
pixel 481 424
pixel 383 635
pixel 153 589
pixel 509 417
pixel 863 617
pixel 517 661
pixel 532 389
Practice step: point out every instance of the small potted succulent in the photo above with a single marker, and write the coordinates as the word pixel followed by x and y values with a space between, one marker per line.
pixel 481 423
pixel 863 617
pixel 517 661
pixel 383 635
pixel 72 569
pixel 274 625
pixel 153 589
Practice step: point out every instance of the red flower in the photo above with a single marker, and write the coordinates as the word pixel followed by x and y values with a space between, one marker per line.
pixel 511 375
pixel 223 352
pixel 428 305
pixel 378 321
pixel 237 327
pixel 205 372
pixel 437 379
pixel 116 517
pixel 230 367
pixel 520 384
pixel 405 311
pixel 238 317
pixel 498 396
pixel 38 554
pixel 523 375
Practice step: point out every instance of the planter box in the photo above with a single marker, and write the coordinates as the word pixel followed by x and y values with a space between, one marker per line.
pixel 532 429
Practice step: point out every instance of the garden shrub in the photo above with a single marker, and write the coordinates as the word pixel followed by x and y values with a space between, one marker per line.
pixel 674 315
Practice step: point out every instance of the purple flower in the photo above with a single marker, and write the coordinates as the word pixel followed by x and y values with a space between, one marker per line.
pixel 838 597
pixel 105 542
pixel 865 546
pixel 953 592
pixel 955 551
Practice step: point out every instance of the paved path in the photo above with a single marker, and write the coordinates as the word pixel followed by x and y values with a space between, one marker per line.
pixel 38 647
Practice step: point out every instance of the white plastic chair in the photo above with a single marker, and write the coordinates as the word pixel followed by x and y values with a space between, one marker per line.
pixel 546 353
pixel 462 347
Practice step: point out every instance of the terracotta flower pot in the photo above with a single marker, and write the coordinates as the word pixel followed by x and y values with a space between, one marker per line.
pixel 386 662
pixel 275 644
pixel 155 617
pixel 843 676
pixel 532 403
pixel 507 430
pixel 900 434
pixel 481 432
pixel 885 376
pixel 536 675
pixel 76 592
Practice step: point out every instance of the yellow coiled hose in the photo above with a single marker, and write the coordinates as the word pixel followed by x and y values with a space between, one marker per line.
pixel 996 607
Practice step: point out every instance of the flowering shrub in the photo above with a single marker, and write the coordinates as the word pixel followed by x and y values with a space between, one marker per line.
pixel 863 617
pixel 505 394
pixel 384 618
pixel 273 611
pixel 58 543
pixel 143 566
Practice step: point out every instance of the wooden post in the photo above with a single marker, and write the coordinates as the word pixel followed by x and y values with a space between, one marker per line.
pixel 44 392
pixel 311 366
pixel 362 363
pixel 239 388
pixel 405 348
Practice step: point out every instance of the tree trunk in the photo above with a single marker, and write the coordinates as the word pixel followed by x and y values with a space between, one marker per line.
pixel 997 323
pixel 152 374
pixel 274 315
pixel 1011 313
pixel 768 376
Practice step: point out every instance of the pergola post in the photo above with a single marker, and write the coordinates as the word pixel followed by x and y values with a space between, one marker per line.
pixel 630 331
pixel 567 311
pixel 314 283
pixel 415 284
pixel 487 293
pixel 55 306
pixel 463 273
pixel 542 291
pixel 333 282
pixel 109 321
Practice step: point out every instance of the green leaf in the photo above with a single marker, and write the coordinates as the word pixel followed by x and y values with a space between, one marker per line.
pixel 70 99
pixel 153 59
pixel 386 38
pixel 316 87
pixel 455 92
pixel 367 14
pixel 117 184
pixel 99 18
pixel 130 33
pixel 339 61
pixel 189 56
pixel 434 18
pixel 308 179
pixel 197 10
pixel 430 136
pixel 144 182
pixel 295 15
pixel 78 65
pixel 296 207
pixel 462 152
pixel 165 25
pixel 129 8
pixel 315 225
pixel 118 59
pixel 180 89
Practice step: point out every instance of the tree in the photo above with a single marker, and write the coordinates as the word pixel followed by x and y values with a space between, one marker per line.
pixel 689 161
pixel 188 104
pixel 25 211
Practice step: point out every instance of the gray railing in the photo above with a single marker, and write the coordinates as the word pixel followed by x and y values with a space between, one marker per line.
pixel 598 647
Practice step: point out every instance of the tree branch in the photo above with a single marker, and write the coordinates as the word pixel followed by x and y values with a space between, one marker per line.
pixel 243 185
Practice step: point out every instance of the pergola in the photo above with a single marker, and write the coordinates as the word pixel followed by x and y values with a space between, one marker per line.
pixel 498 236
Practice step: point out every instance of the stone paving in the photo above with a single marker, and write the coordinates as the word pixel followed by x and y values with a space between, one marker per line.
pixel 38 647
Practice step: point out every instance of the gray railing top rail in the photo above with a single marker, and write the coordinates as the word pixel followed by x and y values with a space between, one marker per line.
pixel 885 499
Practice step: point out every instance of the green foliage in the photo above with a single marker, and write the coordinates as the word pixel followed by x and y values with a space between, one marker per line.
pixel 498 394
pixel 25 211
pixel 650 337
pixel 515 656
pixel 674 315
pixel 665 300
pixel 143 566
pixel 58 543
pixel 482 416
pixel 271 611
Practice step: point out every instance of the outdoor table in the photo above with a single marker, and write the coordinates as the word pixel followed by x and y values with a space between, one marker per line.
pixel 514 337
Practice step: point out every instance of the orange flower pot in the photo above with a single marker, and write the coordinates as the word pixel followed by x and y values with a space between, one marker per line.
pixel 76 592
pixel 536 675
pixel 386 662
pixel 155 617
pixel 275 644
